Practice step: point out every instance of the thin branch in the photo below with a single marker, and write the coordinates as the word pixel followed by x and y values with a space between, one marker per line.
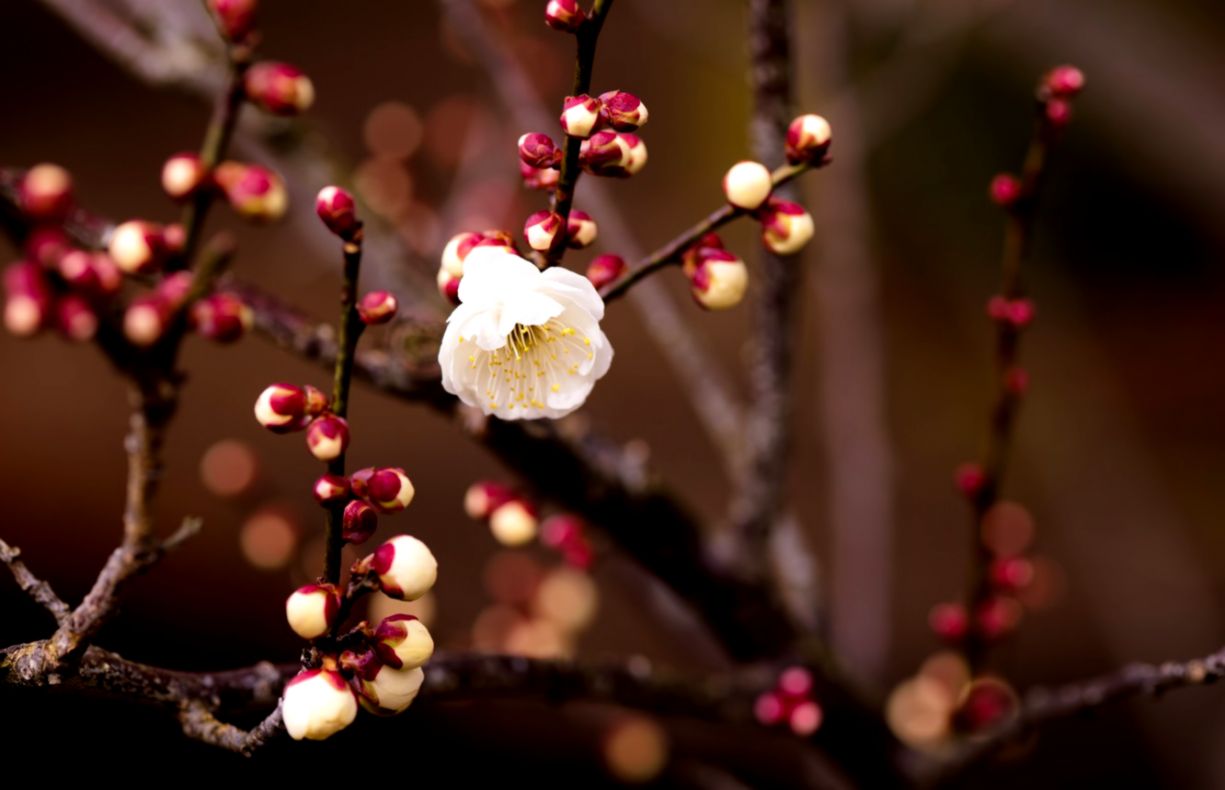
pixel 201 724
pixel 31 585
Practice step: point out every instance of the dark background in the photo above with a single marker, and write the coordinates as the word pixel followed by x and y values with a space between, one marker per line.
pixel 1119 457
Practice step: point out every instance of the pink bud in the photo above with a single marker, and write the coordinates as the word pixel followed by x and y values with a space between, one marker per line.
pixel 312 610
pixel 1018 313
pixel 406 568
pixel 485 496
pixel 1065 81
pixel 1011 574
pixel 137 247
pixel 403 642
pixel 46 245
pixel 997 617
pixel 580 115
pixel 795 682
pixel 719 280
pixel 327 437
pixel 948 621
pixel 808 139
pixel 457 250
pixel 86 273
pixel 330 489
pixel 318 703
pixel 45 193
pixel 29 303
pixel 377 307
pixel 221 317
pixel 769 709
pixel 785 227
pixel 235 18
pixel 388 489
pixel 613 154
pixel 970 479
pixel 538 178
pixel 76 318
pixel 146 319
pixel 541 228
pixel 564 15
pixel 1059 113
pixel 1005 190
pixel 173 289
pixel 805 718
pixel 281 408
pixel 183 175
pixel 513 523
pixel 698 251
pixel 622 111
pixel 359 522
pixel 538 151
pixel 581 230
pixel 254 192
pixel 279 88
pixel 317 402
pixel 335 206
pixel 605 270
pixel 747 185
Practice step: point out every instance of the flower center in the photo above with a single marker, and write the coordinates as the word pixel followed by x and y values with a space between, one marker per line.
pixel 536 359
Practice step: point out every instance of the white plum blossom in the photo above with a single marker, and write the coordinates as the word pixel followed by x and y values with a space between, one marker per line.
pixel 523 343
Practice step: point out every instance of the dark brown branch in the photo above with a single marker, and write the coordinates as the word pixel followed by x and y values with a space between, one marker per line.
pixel 200 723
pixel 31 585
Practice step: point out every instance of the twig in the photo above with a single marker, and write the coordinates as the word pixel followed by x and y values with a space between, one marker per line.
pixel 31 585
pixel 200 723
pixel 586 38
pixel 670 253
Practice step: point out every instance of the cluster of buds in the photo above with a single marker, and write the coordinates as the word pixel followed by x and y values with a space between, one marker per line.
pixel 790 702
pixel 451 268
pixel 785 226
pixel 541 229
pixel 613 154
pixel 60 285
pixel 279 88
pixel 1055 93
pixel 717 278
pixel 379 668
pixel 514 521
pixel 256 193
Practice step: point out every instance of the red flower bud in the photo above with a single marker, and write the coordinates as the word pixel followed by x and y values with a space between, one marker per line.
pixel 91 273
pixel 719 280
pixel 769 708
pixel 183 175
pixel 254 192
pixel 785 227
pixel 221 317
pixel 581 230
pixel 335 206
pixel 138 247
pixel 805 718
pixel 539 178
pixel 173 289
pixel 1011 574
pixel 1059 113
pixel 605 270
pixel 281 408
pixel 46 245
pixel 948 621
pixel 406 568
pixel 1019 313
pixel 795 682
pixel 279 88
pixel 76 318
pixel 388 489
pixel 580 115
pixel 235 18
pixel 564 15
pixel 403 642
pixel 329 489
pixel 1005 190
pixel 359 522
pixel 970 479
pixel 613 154
pixel 327 437
pixel 28 306
pixel 538 151
pixel 622 111
pixel 45 193
pixel 377 307
pixel 1065 81
pixel 541 228
pixel 808 139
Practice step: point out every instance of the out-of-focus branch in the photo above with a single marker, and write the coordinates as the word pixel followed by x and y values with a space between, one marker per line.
pixel 31 585
pixel 759 499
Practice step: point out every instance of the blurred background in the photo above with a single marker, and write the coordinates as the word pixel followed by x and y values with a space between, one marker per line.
pixel 1119 457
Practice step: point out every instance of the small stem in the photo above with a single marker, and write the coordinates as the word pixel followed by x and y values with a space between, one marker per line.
pixel 351 327
pixel 216 142
pixel 587 37
pixel 670 253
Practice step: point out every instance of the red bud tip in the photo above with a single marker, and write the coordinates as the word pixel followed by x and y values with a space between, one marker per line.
pixel 359 522
pixel 254 192
pixel 377 307
pixel 579 116
pixel 45 193
pixel 279 88
pixel 786 227
pixel 90 273
pixel 605 270
pixel 327 437
pixel 1011 574
pixel 1017 313
pixel 564 15
pixel 221 317
pixel 541 228
pixel 949 622
pixel 581 230
pixel 543 179
pixel 337 209
pixel 329 489
pixel 281 408
pixel 622 111
pixel 1065 82
pixel 235 18
pixel 718 279
pixel 538 151
pixel 808 139
pixel 769 709
pixel 613 154
pixel 1058 113
pixel 138 247
pixel 1005 190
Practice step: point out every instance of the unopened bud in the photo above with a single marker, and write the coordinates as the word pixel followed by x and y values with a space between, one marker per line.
pixel 281 408
pixel 580 115
pixel 359 522
pixel 377 307
pixel 1017 313
pixel 448 285
pixel 613 154
pixel 948 621
pixel 146 319
pixel 1059 113
pixel 1010 574
pixel 719 280
pixel 403 642
pixel 581 230
pixel 387 488
pixel 567 535
pixel 312 610
pixel 91 273
pixel 28 305
pixel 747 185
pixel 279 88
pixel 998 616
pixel 137 247
pixel 327 437
pixel 405 567
pixel 317 402
pixel 47 245
pixel 221 317
pixel 785 227
pixel 174 288
pixel 538 151
pixel 183 175
pixel 390 691
pixel 970 478
pixel 1016 380
pixel 514 523
pixel 564 15
pixel 317 704
pixel 622 111
pixel 539 178
pixel 541 228
pixel 335 206
pixel 805 718
pixel 808 139
pixel 45 193
pixel 1005 190
pixel 484 497
pixel 76 318
pixel 235 18
pixel 330 489
pixel 1065 81
pixel 605 270
pixel 254 192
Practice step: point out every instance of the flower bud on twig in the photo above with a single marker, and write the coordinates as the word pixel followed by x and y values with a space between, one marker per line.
pixel 390 691
pixel 580 115
pixel 312 610
pixel 46 245
pixel 747 185
pixel 948 621
pixel 137 247
pixel 718 280
pixel 1017 313
pixel 1065 82
pixel 146 319
pixel 969 478
pixel 377 307
pixel 613 154
pixel 1005 190
pixel 605 270
pixel 622 111
pixel 539 178
pixel 317 402
pixel 235 18
pixel 581 230
pixel 405 567
pixel 403 642
pixel 808 139
pixel 281 408
pixel 279 88
pixel 359 522
pixel 335 206
pixel 183 175
pixel 538 151
pixel 329 489
pixel 76 318
pixel 317 704
pixel 564 15
pixel 27 307
pixel 541 228
pixel 45 193
pixel 327 437
pixel 388 489
pixel 513 523
pixel 221 317
pixel 484 497
pixel 254 192
pixel 785 227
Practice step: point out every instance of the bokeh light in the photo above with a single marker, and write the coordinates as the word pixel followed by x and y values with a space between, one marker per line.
pixel 635 749
pixel 512 577
pixel 1007 529
pixel 568 598
pixel 384 185
pixel 269 537
pixel 229 468
pixel 393 130
pixel 918 711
